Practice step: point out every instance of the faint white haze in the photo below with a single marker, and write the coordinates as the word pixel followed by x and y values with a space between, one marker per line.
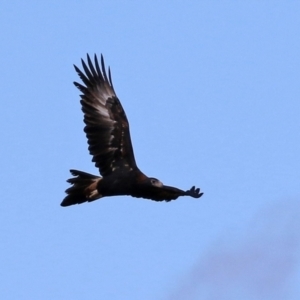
pixel 258 264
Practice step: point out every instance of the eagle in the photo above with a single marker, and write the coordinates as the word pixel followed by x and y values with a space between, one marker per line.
pixel 108 136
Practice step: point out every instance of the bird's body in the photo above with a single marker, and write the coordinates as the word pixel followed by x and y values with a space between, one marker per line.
pixel 107 131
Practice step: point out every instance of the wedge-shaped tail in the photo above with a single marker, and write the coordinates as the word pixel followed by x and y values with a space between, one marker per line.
pixel 83 189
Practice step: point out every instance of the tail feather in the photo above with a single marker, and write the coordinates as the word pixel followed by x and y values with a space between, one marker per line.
pixel 83 189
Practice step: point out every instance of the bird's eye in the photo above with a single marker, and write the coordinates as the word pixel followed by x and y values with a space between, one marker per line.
pixel 153 181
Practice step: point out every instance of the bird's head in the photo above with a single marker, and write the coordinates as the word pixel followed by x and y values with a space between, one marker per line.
pixel 155 182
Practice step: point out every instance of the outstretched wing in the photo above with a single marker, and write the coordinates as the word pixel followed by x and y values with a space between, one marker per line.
pixel 107 127
pixel 166 193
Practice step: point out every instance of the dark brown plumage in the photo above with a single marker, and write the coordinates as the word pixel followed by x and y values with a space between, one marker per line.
pixel 108 135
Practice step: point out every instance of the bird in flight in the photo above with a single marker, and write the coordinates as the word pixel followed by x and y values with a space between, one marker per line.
pixel 108 135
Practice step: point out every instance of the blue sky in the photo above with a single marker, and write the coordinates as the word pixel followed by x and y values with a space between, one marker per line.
pixel 211 91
